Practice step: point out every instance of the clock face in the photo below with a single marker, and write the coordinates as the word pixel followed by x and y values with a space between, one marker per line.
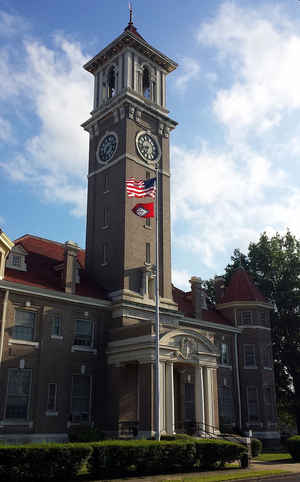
pixel 147 147
pixel 107 147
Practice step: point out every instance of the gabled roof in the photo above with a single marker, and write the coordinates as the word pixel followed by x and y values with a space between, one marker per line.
pixel 42 259
pixel 185 305
pixel 241 288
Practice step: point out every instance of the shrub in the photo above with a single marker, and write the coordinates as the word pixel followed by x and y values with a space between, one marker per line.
pixel 123 458
pixel 42 462
pixel 87 434
pixel 256 447
pixel 212 453
pixel 293 446
pixel 177 436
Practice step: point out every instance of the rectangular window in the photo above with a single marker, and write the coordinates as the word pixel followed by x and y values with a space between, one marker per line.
pixel 267 357
pixel 56 325
pixel 106 216
pixel 226 405
pixel 224 354
pixel 83 333
pixel 262 316
pixel 249 356
pixel 148 257
pixel 106 183
pixel 18 393
pixel 252 402
pixel 81 389
pixel 16 260
pixel 105 254
pixel 24 325
pixel 51 403
pixel 268 395
pixel 148 222
pixel 246 317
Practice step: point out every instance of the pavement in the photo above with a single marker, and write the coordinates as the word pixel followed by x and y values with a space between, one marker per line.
pixel 293 468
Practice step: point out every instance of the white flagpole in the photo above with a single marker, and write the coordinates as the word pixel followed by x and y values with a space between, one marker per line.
pixel 157 364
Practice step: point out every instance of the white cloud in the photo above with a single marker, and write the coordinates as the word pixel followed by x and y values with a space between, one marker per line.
pixel 180 279
pixel 189 71
pixel 261 48
pixel 54 160
pixel 5 130
pixel 11 24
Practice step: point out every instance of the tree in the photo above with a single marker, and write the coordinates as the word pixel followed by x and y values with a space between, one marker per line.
pixel 274 264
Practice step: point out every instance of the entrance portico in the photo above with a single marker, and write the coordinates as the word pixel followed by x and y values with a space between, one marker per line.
pixel 188 385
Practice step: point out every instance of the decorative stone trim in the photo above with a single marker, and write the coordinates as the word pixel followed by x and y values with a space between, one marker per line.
pixel 14 341
pixel 85 349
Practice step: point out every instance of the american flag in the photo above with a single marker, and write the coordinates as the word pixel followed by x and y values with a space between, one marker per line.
pixel 139 188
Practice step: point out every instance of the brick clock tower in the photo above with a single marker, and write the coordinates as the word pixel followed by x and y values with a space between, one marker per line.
pixel 129 129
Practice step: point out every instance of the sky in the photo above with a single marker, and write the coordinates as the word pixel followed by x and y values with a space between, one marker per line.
pixel 235 154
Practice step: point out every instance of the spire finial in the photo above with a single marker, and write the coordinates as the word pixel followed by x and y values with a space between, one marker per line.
pixel 130 13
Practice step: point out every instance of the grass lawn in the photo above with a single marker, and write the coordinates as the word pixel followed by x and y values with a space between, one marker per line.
pixel 221 476
pixel 273 457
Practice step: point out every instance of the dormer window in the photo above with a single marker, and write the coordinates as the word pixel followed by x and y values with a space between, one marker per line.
pixel 17 258
pixel 146 83
pixel 111 82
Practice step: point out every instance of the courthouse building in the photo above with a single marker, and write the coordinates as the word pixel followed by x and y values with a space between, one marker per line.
pixel 77 341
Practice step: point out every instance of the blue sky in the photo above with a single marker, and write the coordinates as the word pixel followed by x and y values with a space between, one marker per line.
pixel 236 95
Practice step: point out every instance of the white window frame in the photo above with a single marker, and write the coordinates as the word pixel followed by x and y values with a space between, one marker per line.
pixel 23 309
pixel 252 345
pixel 90 399
pixel 92 332
pixel 226 363
pixel 250 320
pixel 49 410
pixel 253 387
pixel 10 370
pixel 55 317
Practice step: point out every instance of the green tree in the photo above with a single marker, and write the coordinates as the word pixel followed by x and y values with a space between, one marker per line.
pixel 274 264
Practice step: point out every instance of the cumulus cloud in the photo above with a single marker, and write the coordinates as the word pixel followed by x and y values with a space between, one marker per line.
pixel 228 194
pixel 180 279
pixel 54 160
pixel 189 71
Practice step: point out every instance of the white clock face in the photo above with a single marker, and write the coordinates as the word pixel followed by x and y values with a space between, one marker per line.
pixel 107 148
pixel 147 147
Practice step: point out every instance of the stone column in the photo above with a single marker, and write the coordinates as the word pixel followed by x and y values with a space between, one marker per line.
pixel 162 399
pixel 208 398
pixel 170 407
pixel 199 399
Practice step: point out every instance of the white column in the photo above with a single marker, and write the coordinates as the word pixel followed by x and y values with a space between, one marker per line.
pixel 158 94
pixel 127 70
pixel 199 397
pixel 208 397
pixel 170 408
pixel 120 70
pixel 162 397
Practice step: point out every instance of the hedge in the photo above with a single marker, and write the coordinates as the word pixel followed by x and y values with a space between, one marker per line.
pixel 212 453
pixel 256 447
pixel 125 458
pixel 113 458
pixel 42 462
pixel 293 446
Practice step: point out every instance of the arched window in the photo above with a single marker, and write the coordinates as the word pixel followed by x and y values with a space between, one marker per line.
pixel 111 81
pixel 146 83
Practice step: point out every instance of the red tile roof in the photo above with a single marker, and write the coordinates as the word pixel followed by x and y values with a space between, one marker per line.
pixel 43 256
pixel 241 288
pixel 185 305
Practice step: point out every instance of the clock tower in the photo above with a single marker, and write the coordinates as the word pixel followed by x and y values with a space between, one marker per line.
pixel 129 132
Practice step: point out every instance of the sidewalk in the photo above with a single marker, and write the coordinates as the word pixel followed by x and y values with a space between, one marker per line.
pixel 293 468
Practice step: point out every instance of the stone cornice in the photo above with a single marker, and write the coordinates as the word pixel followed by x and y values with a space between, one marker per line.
pixel 210 326
pixel 127 39
pixel 54 295
pixel 244 304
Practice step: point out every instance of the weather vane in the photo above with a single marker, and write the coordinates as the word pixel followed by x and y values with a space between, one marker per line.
pixel 130 13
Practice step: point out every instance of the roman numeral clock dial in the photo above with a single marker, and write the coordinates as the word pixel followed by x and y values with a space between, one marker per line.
pixel 147 147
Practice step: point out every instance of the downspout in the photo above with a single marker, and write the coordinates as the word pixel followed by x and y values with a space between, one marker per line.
pixel 3 324
pixel 237 370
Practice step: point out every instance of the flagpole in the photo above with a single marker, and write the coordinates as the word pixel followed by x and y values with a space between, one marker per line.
pixel 157 364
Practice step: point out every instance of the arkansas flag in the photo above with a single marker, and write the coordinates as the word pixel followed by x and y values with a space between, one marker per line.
pixel 144 210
